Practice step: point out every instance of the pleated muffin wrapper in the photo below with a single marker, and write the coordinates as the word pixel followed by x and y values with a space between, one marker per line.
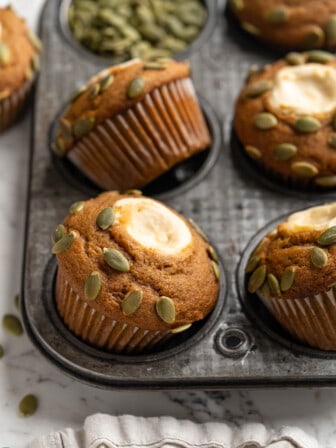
pixel 311 320
pixel 99 330
pixel 12 106
pixel 132 148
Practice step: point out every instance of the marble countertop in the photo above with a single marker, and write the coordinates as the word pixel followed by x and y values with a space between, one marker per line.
pixel 65 402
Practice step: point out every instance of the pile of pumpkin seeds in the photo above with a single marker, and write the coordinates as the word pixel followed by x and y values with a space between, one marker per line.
pixel 146 29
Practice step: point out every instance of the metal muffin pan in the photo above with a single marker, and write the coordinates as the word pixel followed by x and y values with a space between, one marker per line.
pixel 229 350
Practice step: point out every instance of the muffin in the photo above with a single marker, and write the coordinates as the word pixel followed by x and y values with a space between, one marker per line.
pixel 299 24
pixel 132 272
pixel 133 122
pixel 293 272
pixel 285 118
pixel 19 62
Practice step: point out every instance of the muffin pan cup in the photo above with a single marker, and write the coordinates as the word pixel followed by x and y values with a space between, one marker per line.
pixel 228 349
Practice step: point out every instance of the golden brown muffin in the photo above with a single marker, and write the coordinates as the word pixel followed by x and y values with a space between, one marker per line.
pixel 133 122
pixel 132 272
pixel 19 61
pixel 286 119
pixel 293 271
pixel 291 24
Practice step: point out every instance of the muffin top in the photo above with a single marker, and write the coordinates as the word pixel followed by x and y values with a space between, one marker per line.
pixel 137 261
pixel 286 117
pixel 111 92
pixel 19 48
pixel 296 24
pixel 298 258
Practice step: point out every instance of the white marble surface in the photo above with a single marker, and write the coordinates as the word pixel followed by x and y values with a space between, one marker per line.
pixel 64 402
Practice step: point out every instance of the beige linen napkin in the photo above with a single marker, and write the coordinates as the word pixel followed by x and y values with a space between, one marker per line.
pixel 106 431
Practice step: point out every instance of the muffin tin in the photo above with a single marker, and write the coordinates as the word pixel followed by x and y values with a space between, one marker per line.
pixel 229 349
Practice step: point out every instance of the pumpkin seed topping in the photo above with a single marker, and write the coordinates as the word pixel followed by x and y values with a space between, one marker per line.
pixel 216 269
pixel 94 91
pixel 106 218
pixel 17 301
pixel 136 87
pixel 252 264
pixel 131 302
pixel 63 244
pixel 315 38
pixel 304 169
pixel 319 257
pixel 106 82
pixel 284 151
pixel 181 329
pixel 154 65
pixel 307 124
pixel 265 121
pixel 28 405
pixel 257 279
pixel 294 58
pixel 287 278
pixel 332 140
pixel 265 290
pixel 92 286
pixel 326 181
pixel 65 128
pixel 58 233
pixel 250 28
pixel 253 152
pixel 76 207
pixel 273 283
pixel 331 30
pixel 116 260
pixel 12 324
pixel 83 126
pixel 237 5
pixel 212 253
pixel 320 56
pixel 133 191
pixel 76 94
pixel 165 309
pixel 35 63
pixel 277 16
pixel 257 88
pixel 328 237
pixel 198 230
pixel 35 41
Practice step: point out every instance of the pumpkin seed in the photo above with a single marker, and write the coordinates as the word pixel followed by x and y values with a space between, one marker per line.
pixel 154 66
pixel 58 233
pixel 63 244
pixel 328 237
pixel 212 253
pixel 133 191
pixel 257 279
pixel 265 121
pixel 250 28
pixel 284 151
pixel 35 41
pixel 28 405
pixel 181 329
pixel 131 302
pixel 77 93
pixel 252 264
pixel 2 351
pixel 304 169
pixel 116 260
pixel 58 147
pixel 331 30
pixel 277 16
pixel 253 152
pixel 307 124
pixel 315 38
pixel 5 54
pixel 319 257
pixel 265 290
pixel 273 283
pixel 17 301
pixel 94 91
pixel 105 219
pixel 332 140
pixel 258 88
pixel 216 269
pixel 65 128
pixel 287 279
pixel 83 126
pixel 12 324
pixel 35 63
pixel 237 5
pixel 253 70
pixel 165 309
pixel 294 58
pixel 76 207
pixel 92 286
pixel 326 181
pixel 106 82
pixel 136 87
pixel 320 56
pixel 198 230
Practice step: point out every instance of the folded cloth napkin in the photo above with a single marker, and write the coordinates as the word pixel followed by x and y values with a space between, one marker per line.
pixel 106 431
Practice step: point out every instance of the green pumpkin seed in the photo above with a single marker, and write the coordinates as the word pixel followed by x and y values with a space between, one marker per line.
pixel 212 253
pixel 257 279
pixel 319 257
pixel 133 191
pixel 258 88
pixel 304 169
pixel 136 87
pixel 326 181
pixel 328 237
pixel 216 270
pixel 65 129
pixel 165 309
pixel 287 279
pixel 273 283
pixel 154 66
pixel 17 301
pixel 253 152
pixel 320 56
pixel 92 286
pixel 181 329
pixel 5 54
pixel 106 218
pixel 277 16
pixel 331 30
pixel 294 58
pixel 332 140
pixel 116 260
pixel 237 5
pixel 250 28
pixel 252 264
pixel 106 82
pixel 76 207
pixel 35 63
pixel 265 290
pixel 265 121
pixel 77 94
pixel 198 230
pixel 83 126
pixel 284 151
pixel 12 324
pixel 58 147
pixel 58 233
pixel 307 124
pixel 131 302
pixel 28 405
pixel 2 351
pixel 63 244
pixel 315 38
pixel 94 91
pixel 35 41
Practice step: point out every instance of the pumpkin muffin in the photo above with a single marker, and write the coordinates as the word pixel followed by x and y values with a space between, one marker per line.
pixel 133 122
pixel 132 272
pixel 293 271
pixel 19 62
pixel 289 24
pixel 286 119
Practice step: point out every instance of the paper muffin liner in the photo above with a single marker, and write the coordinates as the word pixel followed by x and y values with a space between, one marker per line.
pixel 132 148
pixel 99 330
pixel 12 106
pixel 311 320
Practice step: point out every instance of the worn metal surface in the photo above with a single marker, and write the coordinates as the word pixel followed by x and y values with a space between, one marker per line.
pixel 229 204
